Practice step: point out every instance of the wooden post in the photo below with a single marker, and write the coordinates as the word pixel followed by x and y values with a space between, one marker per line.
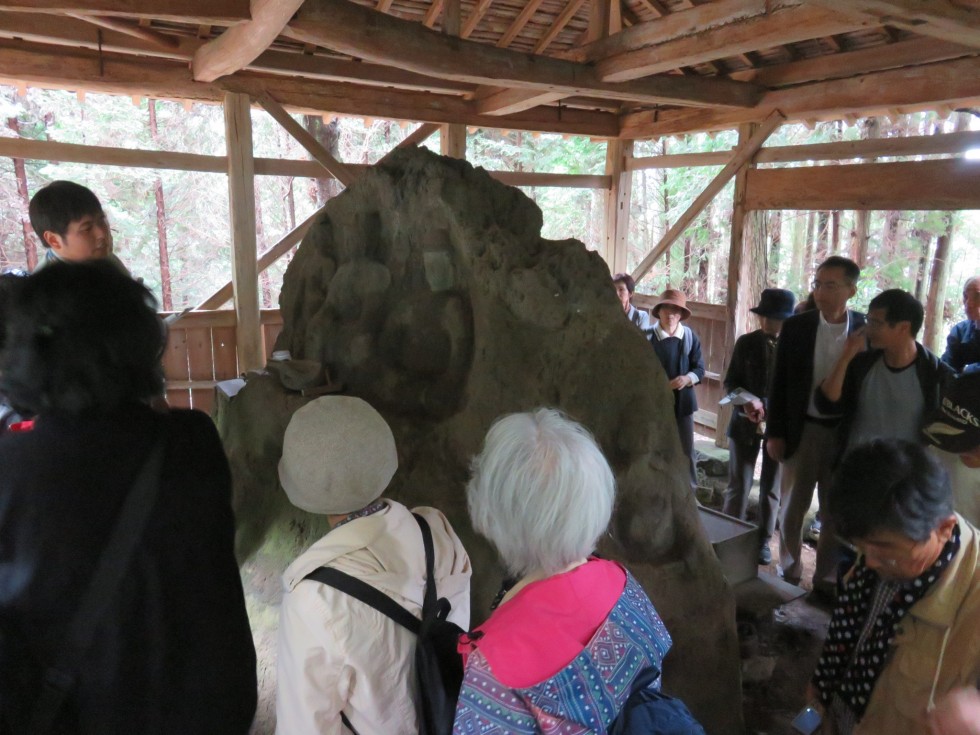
pixel 616 240
pixel 747 255
pixel 453 139
pixel 933 336
pixel 241 200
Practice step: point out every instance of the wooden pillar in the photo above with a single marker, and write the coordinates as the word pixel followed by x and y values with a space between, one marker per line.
pixel 241 201
pixel 453 137
pixel 747 255
pixel 616 240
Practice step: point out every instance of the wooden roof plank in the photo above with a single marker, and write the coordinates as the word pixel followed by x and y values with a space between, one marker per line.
pixel 781 26
pixel 241 44
pixel 368 35
pixel 497 101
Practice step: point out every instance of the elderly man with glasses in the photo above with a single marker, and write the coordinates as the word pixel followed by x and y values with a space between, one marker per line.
pixel 902 654
pixel 798 433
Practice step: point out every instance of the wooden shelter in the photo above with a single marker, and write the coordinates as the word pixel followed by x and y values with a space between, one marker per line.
pixel 620 70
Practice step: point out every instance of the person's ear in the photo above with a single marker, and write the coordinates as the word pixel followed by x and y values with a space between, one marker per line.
pixel 54 241
pixel 945 530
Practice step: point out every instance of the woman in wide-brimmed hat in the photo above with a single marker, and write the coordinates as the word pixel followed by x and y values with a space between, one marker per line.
pixel 679 351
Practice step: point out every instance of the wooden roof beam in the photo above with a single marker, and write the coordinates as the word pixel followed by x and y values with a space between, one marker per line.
pixel 851 63
pixel 920 86
pixel 501 101
pixel 63 31
pixel 194 12
pixel 774 28
pixel 479 10
pixel 936 18
pixel 349 28
pixel 160 40
pixel 241 44
pixel 668 27
pixel 78 69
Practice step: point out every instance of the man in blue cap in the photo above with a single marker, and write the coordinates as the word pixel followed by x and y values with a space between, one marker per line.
pixel 750 370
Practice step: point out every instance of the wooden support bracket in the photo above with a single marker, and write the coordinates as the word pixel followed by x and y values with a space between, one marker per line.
pixel 742 155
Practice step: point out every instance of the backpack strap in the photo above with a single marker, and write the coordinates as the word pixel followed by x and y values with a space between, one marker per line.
pixel 59 678
pixel 429 600
pixel 367 594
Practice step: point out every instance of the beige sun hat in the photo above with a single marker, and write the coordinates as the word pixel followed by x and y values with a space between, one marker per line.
pixel 337 456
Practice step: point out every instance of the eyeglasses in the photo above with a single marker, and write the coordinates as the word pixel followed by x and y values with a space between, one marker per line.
pixel 828 286
pixel 887 560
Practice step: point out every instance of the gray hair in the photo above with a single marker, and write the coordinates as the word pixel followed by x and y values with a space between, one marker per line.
pixel 541 491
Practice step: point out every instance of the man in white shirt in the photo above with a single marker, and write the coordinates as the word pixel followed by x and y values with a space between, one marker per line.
pixel 798 434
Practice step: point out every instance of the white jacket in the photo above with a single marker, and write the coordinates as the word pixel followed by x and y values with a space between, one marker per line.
pixel 338 654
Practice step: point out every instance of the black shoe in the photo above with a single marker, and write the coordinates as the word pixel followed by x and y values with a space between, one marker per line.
pixel 765 555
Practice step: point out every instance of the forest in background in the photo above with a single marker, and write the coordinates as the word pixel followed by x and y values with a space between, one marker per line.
pixel 171 227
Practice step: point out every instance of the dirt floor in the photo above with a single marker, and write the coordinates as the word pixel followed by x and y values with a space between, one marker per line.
pixel 779 647
pixel 779 642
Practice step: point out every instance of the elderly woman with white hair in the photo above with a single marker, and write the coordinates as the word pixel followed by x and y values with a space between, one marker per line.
pixel 543 493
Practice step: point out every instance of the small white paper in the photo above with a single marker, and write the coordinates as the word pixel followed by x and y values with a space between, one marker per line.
pixel 738 397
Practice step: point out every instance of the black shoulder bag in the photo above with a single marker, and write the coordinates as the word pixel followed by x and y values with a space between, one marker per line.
pixel 60 678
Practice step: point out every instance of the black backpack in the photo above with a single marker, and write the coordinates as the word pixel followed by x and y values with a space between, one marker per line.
pixel 438 665
pixel 651 712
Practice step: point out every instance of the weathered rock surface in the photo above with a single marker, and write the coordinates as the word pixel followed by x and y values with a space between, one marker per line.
pixel 426 289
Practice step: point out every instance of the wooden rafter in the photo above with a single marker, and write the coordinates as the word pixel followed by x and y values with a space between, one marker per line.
pixel 937 18
pixel 241 44
pixel 781 26
pixel 479 10
pixel 361 32
pixel 433 13
pixel 742 155
pixel 927 85
pixel 571 8
pixel 213 12
pixel 527 12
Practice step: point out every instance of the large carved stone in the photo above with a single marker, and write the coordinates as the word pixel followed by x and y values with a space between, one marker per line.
pixel 426 289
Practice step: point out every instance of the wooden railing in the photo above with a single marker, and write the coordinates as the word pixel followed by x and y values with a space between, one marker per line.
pixel 202 350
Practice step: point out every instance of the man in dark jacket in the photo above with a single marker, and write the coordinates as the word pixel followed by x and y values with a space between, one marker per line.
pixel 750 369
pixel 963 343
pixel 798 434
pixel 883 393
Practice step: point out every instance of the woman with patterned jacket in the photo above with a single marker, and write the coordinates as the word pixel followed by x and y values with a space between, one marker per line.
pixel 543 493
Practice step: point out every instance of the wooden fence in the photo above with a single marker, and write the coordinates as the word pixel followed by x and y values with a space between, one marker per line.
pixel 202 349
